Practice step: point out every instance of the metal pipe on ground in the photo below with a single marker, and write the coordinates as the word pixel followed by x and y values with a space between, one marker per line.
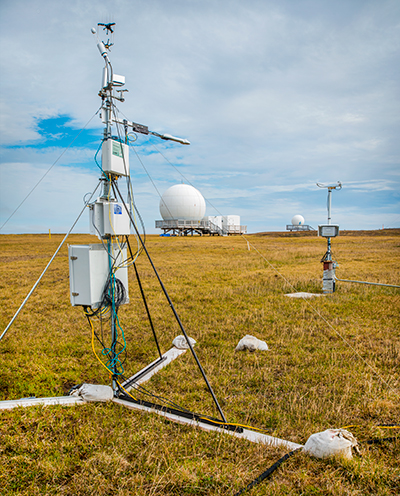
pixel 372 283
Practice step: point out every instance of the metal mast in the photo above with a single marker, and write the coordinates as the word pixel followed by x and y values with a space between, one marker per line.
pixel 115 163
pixel 107 95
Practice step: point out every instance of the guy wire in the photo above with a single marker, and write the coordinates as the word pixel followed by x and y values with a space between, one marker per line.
pixel 48 265
pixel 45 174
pixel 144 300
pixel 177 319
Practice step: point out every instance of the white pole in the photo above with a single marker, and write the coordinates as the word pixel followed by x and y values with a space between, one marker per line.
pixel 329 205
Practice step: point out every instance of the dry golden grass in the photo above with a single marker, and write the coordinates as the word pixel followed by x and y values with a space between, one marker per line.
pixel 333 361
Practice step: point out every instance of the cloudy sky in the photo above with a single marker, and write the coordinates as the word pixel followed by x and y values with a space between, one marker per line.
pixel 273 95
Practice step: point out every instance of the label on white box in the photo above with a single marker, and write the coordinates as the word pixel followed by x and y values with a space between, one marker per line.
pixel 116 149
pixel 116 219
pixel 109 219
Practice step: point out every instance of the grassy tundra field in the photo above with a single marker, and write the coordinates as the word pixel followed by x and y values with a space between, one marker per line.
pixel 333 362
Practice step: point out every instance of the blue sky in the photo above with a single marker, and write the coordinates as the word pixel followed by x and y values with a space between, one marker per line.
pixel 273 95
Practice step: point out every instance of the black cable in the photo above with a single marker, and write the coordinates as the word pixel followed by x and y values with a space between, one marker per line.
pixel 143 390
pixel 147 310
pixel 381 440
pixel 115 187
pixel 118 293
pixel 106 299
pixel 144 299
pixel 269 471
pixel 277 464
pixel 184 414
pixel 74 388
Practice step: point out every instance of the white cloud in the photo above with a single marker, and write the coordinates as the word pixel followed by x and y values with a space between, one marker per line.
pixel 374 185
pixel 54 204
pixel 274 96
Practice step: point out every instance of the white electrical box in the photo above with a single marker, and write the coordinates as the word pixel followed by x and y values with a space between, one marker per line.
pixel 115 157
pixel 109 219
pixel 89 271
pixel 116 219
pixel 328 230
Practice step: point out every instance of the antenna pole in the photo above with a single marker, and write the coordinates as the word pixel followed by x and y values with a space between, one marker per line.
pixel 111 172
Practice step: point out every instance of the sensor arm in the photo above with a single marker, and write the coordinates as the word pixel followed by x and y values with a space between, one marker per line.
pixel 169 137
pixel 140 128
pixel 108 84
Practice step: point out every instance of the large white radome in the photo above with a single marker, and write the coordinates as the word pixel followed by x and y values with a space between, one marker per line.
pixel 184 202
pixel 298 220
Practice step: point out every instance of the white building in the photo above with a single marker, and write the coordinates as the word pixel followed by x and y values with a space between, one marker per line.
pixel 182 208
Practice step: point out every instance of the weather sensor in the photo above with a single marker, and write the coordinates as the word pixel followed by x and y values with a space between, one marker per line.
pixel 99 280
pixel 99 277
pixel 329 231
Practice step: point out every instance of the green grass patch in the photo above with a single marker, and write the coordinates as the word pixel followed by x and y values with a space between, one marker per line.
pixel 333 362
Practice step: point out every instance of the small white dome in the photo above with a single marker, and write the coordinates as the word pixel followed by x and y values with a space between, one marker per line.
pixel 298 220
pixel 184 202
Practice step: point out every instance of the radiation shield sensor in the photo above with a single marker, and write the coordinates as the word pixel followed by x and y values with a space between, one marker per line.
pixel 118 80
pixel 328 230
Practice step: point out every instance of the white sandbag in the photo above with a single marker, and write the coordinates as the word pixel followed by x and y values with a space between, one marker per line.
pixel 94 392
pixel 252 344
pixel 181 343
pixel 331 442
